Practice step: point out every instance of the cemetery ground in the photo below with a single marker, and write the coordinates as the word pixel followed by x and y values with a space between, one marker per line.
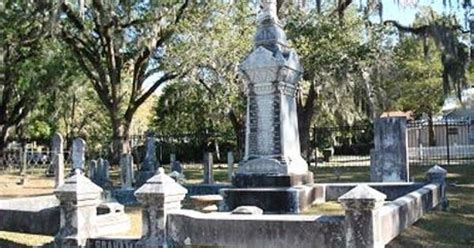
pixel 453 228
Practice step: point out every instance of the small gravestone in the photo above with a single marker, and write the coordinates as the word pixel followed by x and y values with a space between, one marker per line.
pixel 126 165
pixel 230 165
pixel 101 175
pixel 176 166
pixel 78 154
pixel 150 163
pixel 57 161
pixel 93 169
pixel 208 168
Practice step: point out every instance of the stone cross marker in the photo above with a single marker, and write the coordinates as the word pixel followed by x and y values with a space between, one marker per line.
pixel 58 158
pixel 78 154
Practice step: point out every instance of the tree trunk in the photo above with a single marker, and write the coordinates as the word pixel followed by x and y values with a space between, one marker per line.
pixel 305 117
pixel 3 136
pixel 431 133
pixel 238 132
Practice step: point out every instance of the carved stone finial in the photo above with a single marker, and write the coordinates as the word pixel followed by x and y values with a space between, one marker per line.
pixel 268 10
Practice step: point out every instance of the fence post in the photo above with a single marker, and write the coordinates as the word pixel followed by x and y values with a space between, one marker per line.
pixel 23 159
pixel 447 139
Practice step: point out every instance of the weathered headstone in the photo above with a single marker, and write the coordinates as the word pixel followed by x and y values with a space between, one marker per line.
pixel 93 167
pixel 58 158
pixel 78 154
pixel 150 160
pixel 150 163
pixel 126 175
pixel 172 158
pixel 230 165
pixel 208 168
pixel 389 158
pixel 176 166
pixel 272 157
pixel 101 175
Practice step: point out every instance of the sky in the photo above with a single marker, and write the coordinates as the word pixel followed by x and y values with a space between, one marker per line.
pixel 405 12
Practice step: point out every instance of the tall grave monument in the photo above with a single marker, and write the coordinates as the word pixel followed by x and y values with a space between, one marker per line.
pixel 272 174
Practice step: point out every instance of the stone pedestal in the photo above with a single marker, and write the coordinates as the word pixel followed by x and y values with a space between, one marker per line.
pixel 79 198
pixel 389 159
pixel 158 196
pixel 360 205
pixel 272 160
pixel 437 174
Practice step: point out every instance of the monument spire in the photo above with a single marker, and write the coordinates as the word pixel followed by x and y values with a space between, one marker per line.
pixel 268 10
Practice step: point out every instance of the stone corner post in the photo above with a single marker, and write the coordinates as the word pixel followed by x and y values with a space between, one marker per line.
pixel 363 227
pixel 159 195
pixel 79 198
pixel 437 175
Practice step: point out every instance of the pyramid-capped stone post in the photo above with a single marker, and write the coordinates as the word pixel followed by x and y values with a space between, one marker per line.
pixel 159 195
pixel 360 205
pixel 79 198
pixel 437 174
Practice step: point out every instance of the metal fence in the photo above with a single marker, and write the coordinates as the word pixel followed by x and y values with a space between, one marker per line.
pixel 19 158
pixel 187 147
pixel 343 145
pixel 441 142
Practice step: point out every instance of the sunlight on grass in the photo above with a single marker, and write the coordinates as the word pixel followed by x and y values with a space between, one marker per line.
pixel 25 239
pixel 327 208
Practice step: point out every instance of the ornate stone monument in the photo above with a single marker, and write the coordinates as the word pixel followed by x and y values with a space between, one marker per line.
pixel 272 160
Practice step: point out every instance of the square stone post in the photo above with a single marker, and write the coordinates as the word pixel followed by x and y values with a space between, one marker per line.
pixel 437 174
pixel 126 174
pixel 57 150
pixel 158 196
pixel 230 165
pixel 79 198
pixel 78 154
pixel 362 224
pixel 208 168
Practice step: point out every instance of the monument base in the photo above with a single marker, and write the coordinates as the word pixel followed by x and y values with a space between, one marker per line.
pixel 272 200
pixel 265 180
